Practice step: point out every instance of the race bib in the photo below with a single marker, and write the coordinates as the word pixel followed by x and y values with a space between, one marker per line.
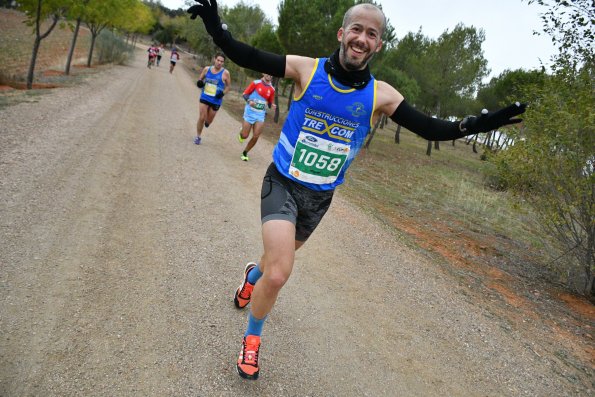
pixel 317 160
pixel 210 89
pixel 258 105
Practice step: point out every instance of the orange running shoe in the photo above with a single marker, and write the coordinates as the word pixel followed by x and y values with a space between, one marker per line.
pixel 244 292
pixel 248 361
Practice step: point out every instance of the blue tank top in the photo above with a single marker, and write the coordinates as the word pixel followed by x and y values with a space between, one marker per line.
pixel 324 130
pixel 213 84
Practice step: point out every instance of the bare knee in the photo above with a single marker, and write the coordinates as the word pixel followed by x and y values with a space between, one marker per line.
pixel 276 278
pixel 277 281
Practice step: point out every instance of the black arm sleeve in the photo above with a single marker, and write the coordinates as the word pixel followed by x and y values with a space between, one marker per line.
pixel 425 126
pixel 250 57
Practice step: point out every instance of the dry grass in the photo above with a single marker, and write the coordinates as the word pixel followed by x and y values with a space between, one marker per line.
pixel 17 45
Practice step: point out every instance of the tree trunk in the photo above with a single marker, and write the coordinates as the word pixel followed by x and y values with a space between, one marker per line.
pixel 371 136
pixel 37 42
pixel 501 141
pixel 72 46
pixel 290 96
pixel 32 63
pixel 488 142
pixel 276 85
pixel 90 57
pixel 475 143
pixel 242 84
pixel 589 284
pixel 398 134
pixel 436 144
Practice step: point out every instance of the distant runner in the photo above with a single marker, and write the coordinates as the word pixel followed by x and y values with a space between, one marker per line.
pixel 173 59
pixel 258 95
pixel 152 52
pixel 160 52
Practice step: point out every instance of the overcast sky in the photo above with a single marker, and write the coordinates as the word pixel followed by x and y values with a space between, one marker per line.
pixel 508 25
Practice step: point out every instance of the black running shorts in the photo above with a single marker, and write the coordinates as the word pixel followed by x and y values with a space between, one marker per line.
pixel 284 199
pixel 209 104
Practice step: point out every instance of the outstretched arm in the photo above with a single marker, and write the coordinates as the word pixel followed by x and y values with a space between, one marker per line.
pixel 393 104
pixel 240 53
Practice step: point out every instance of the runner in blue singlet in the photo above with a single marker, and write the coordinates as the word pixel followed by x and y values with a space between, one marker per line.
pixel 214 81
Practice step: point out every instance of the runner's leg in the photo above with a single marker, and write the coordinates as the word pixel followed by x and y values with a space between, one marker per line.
pixel 203 110
pixel 245 132
pixel 211 113
pixel 276 265
pixel 256 131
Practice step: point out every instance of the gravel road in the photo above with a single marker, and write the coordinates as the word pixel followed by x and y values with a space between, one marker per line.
pixel 121 244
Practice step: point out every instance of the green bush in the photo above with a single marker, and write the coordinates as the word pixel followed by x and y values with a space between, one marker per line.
pixel 111 48
pixel 551 166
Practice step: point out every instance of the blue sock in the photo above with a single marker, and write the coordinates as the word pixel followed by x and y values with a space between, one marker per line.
pixel 254 274
pixel 254 325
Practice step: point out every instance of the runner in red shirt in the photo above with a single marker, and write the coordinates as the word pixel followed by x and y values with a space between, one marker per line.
pixel 258 95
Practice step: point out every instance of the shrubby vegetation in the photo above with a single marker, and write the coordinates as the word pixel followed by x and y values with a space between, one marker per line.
pixel 111 48
pixel 551 163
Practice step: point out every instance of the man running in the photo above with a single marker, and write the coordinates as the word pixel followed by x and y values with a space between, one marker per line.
pixel 336 103
pixel 152 51
pixel 258 95
pixel 215 82
pixel 173 59
pixel 160 52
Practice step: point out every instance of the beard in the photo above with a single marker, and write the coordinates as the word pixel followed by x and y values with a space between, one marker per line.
pixel 353 64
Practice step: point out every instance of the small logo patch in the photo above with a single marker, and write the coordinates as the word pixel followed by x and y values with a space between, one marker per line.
pixel 357 109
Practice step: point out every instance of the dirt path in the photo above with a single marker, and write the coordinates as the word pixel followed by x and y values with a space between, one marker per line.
pixel 121 243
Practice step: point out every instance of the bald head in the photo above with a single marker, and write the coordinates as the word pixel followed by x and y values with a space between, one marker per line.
pixel 366 8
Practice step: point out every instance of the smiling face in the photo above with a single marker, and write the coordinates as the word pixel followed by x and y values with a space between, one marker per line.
pixel 267 78
pixel 360 36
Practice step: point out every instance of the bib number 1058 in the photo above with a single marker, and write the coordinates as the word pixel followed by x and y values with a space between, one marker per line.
pixel 317 165
pixel 319 161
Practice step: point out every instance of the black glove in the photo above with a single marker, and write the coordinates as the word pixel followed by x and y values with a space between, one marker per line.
pixel 200 83
pixel 207 11
pixel 219 94
pixel 489 121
